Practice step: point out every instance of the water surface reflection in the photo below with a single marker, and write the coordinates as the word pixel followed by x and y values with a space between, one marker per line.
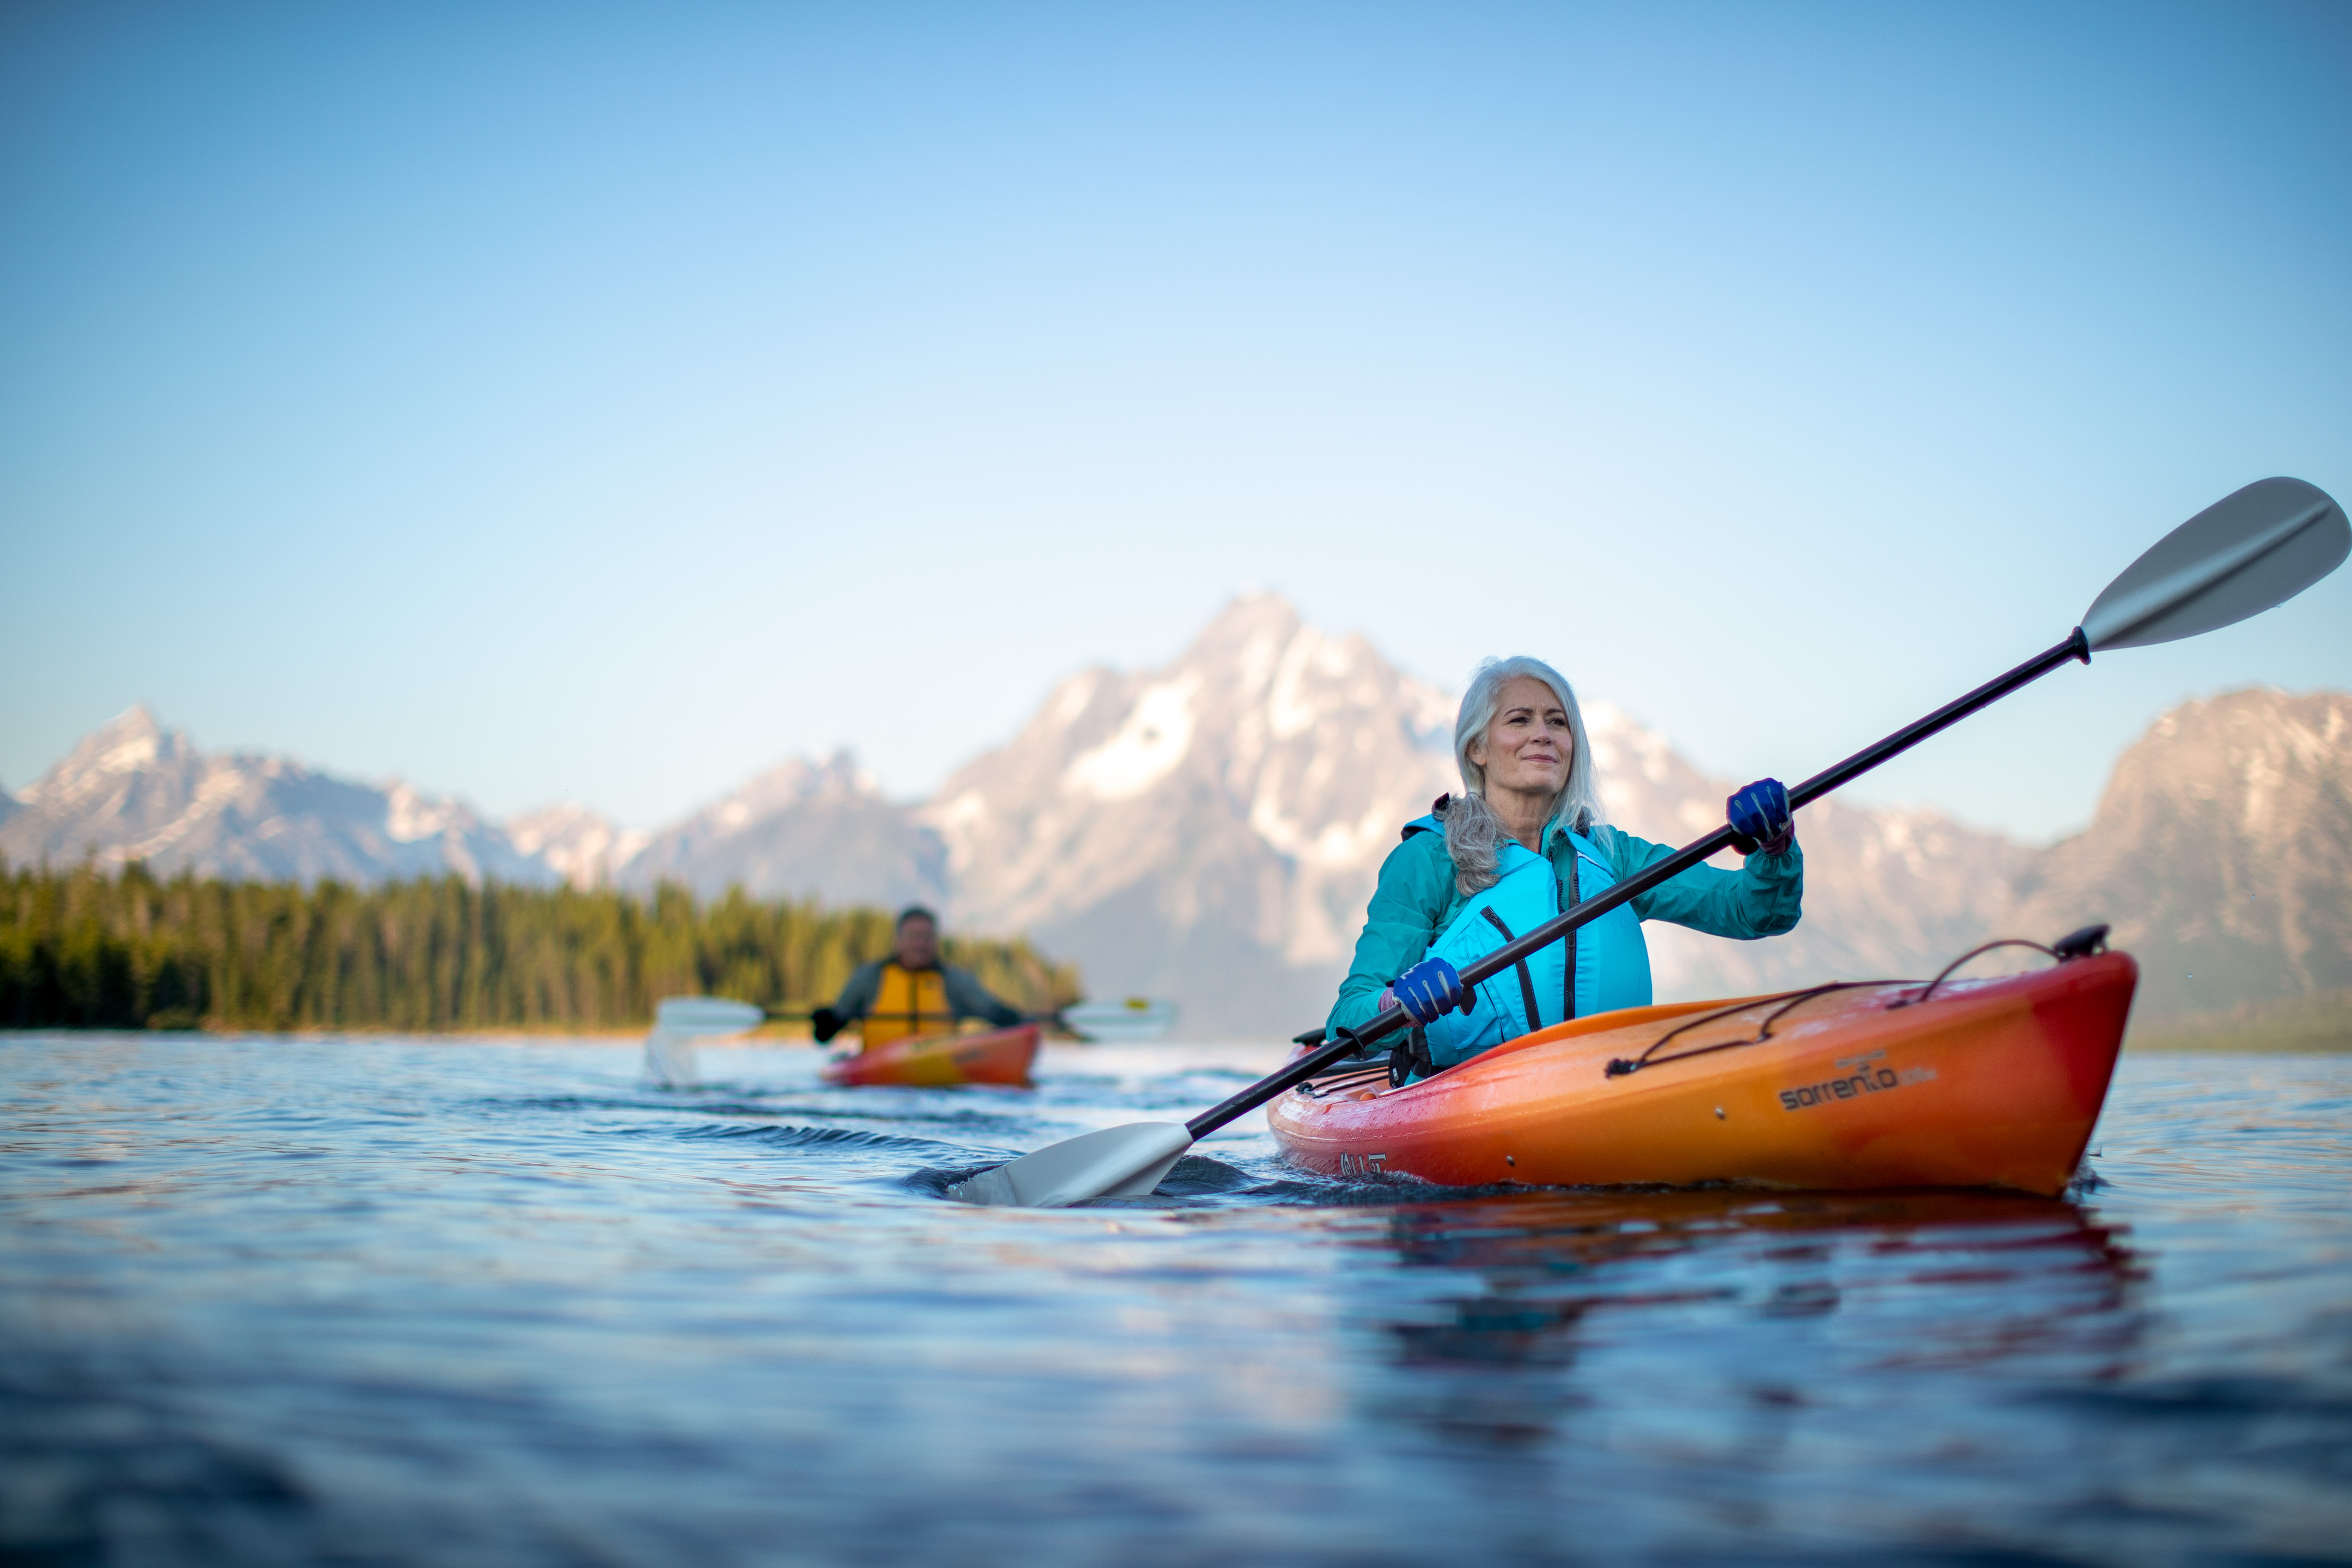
pixel 1569 1306
pixel 392 1302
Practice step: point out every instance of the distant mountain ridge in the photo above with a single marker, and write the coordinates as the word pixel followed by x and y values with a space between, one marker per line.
pixel 2222 852
pixel 1210 830
pixel 799 830
pixel 132 790
pixel 575 843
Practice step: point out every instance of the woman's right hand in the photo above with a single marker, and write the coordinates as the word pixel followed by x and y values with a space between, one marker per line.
pixel 1427 989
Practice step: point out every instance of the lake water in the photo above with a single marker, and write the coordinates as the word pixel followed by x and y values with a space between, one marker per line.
pixel 369 1302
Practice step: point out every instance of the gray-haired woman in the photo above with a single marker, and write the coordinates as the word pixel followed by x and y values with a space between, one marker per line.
pixel 1520 844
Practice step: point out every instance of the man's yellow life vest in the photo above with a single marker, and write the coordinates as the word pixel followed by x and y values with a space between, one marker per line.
pixel 908 1003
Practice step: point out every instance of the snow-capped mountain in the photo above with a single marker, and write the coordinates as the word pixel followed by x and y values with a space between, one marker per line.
pixel 801 830
pixel 1207 831
pixel 1211 830
pixel 133 790
pixel 577 844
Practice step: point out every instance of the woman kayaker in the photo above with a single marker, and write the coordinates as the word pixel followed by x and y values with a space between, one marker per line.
pixel 1521 843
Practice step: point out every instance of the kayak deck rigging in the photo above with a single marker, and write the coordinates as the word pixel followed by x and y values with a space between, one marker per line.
pixel 1619 1067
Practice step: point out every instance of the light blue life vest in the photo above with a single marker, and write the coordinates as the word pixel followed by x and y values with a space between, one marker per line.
pixel 1610 961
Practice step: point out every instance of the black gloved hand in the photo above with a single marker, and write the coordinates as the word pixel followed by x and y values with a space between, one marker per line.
pixel 1428 989
pixel 825 1023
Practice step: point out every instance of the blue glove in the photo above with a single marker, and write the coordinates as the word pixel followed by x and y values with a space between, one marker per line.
pixel 1761 819
pixel 1428 989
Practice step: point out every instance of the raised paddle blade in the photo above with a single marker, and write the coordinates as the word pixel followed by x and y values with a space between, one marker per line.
pixel 2253 549
pixel 1116 1163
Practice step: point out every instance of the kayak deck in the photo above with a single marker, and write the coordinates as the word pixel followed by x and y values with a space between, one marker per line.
pixel 1987 1083
pixel 942 1061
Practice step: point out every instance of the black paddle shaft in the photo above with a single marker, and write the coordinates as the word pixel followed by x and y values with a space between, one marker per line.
pixel 1392 1019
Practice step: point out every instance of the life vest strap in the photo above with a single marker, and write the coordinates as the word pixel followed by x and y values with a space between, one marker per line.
pixel 1527 980
pixel 1569 900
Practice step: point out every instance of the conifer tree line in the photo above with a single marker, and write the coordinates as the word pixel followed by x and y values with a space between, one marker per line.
pixel 84 949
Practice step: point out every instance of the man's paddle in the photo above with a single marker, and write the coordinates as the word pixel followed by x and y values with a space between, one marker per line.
pixel 2239 557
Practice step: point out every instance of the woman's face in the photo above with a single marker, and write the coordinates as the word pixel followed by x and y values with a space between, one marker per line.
pixel 1527 747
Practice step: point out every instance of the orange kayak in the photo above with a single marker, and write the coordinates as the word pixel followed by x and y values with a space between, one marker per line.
pixel 1988 1083
pixel 937 1061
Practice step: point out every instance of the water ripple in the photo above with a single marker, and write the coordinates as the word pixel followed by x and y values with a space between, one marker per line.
pixel 385 1301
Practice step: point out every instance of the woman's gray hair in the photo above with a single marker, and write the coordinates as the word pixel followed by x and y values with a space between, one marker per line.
pixel 1474 833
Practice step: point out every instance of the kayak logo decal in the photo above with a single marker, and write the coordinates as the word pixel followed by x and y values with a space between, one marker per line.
pixel 1870 1074
pixel 1362 1165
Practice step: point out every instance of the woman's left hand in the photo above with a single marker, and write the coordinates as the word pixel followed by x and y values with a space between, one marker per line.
pixel 1761 819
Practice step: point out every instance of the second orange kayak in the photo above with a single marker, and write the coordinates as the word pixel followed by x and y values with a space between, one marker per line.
pixel 941 1061
pixel 1990 1083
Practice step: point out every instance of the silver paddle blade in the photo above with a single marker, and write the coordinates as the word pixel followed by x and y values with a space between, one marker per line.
pixel 2255 548
pixel 1116 1163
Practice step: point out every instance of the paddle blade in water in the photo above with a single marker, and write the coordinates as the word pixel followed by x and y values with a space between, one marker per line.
pixel 2247 551
pixel 678 1021
pixel 1116 1163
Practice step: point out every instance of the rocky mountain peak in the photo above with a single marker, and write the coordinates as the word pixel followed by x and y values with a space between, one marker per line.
pixel 131 743
pixel 1211 830
pixel 800 782
pixel 2222 854
pixel 135 789
pixel 1235 800
pixel 2262 759
pixel 801 830
pixel 576 842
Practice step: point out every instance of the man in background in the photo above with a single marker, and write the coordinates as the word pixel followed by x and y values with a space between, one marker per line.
pixel 910 994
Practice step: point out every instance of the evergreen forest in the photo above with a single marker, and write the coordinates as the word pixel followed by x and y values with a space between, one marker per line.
pixel 87 949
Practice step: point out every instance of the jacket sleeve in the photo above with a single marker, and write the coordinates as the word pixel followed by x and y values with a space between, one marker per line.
pixel 856 998
pixel 1765 897
pixel 968 998
pixel 1416 884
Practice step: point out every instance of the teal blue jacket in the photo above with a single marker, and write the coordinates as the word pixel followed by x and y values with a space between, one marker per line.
pixel 1418 898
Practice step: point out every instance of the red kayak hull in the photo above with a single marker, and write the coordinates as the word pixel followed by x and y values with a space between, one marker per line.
pixel 942 1061
pixel 1994 1083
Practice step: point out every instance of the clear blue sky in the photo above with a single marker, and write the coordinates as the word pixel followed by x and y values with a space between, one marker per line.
pixel 603 403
